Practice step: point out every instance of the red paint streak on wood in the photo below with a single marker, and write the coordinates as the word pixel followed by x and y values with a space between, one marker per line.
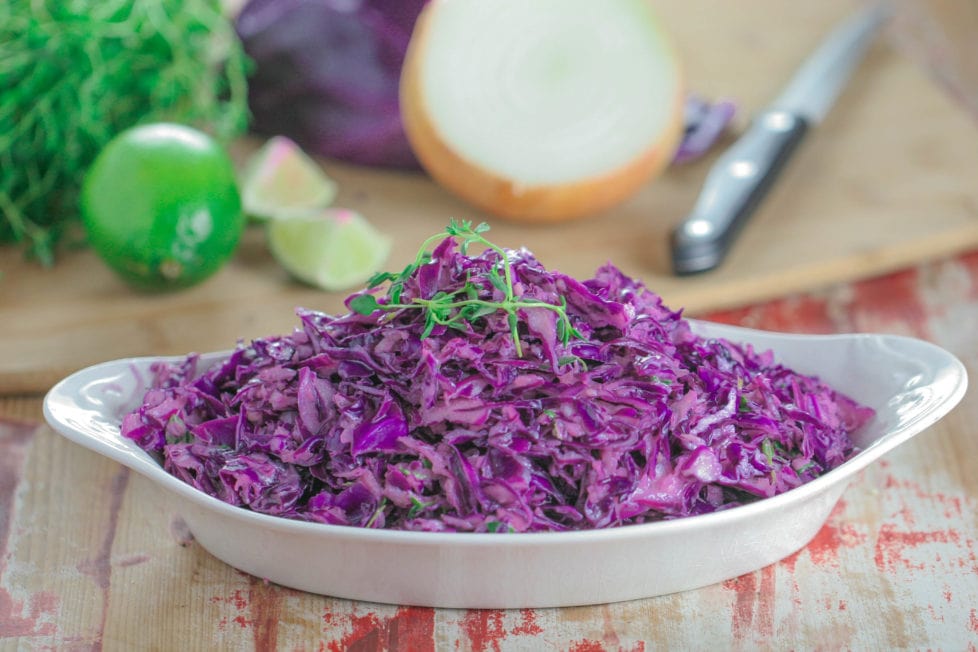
pixel 413 628
pixel 744 588
pixel 823 549
pixel 258 609
pixel 969 265
pixel 238 600
pixel 38 616
pixel 265 609
pixel 891 544
pixel 764 612
pixel 973 620
pixel 364 634
pixel 609 635
pixel 736 316
pixel 892 541
pixel 806 313
pixel 587 646
pixel 937 617
pixel 33 619
pixel 484 629
pixel 954 507
pixel 410 628
pixel 753 609
pixel 894 298
pixel 528 624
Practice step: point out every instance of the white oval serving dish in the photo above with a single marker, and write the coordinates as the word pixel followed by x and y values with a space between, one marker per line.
pixel 910 383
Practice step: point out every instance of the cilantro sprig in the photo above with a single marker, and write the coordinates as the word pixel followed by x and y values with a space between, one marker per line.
pixel 454 309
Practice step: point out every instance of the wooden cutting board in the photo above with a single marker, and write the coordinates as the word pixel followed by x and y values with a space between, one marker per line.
pixel 888 180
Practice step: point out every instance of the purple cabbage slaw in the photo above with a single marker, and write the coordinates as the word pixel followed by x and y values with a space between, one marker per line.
pixel 359 420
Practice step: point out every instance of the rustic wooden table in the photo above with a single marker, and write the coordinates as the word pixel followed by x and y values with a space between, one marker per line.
pixel 874 228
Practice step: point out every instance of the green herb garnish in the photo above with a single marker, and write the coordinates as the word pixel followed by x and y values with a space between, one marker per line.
pixel 463 305
pixel 742 405
pixel 806 468
pixel 416 507
pixel 381 506
pixel 767 447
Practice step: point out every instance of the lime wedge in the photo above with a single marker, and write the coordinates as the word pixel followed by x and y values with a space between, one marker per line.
pixel 332 249
pixel 280 179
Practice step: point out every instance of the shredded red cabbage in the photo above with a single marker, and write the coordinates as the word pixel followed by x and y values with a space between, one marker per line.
pixel 365 420
pixel 705 123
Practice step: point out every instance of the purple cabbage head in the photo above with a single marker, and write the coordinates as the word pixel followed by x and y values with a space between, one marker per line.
pixel 326 75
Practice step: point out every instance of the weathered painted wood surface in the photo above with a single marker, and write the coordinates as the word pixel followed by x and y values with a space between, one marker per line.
pixel 91 556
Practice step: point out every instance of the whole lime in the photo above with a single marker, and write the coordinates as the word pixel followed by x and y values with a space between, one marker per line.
pixel 161 206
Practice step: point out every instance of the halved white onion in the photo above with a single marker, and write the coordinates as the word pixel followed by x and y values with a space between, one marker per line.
pixel 542 110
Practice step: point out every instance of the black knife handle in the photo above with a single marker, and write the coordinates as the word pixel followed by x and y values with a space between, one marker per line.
pixel 734 188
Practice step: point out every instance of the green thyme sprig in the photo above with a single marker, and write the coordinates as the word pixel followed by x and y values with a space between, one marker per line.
pixel 454 309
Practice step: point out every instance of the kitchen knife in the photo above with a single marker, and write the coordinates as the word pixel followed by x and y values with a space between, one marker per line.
pixel 743 174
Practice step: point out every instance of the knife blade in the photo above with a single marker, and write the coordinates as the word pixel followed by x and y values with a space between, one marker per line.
pixel 743 175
